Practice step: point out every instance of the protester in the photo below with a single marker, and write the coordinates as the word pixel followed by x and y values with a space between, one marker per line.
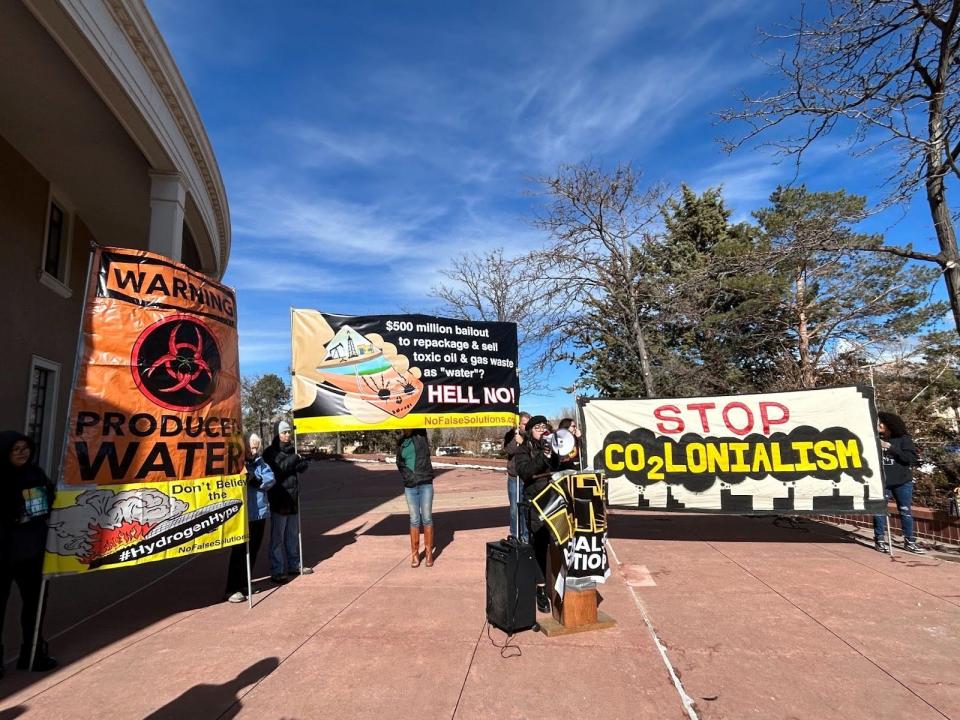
pixel 570 461
pixel 413 462
pixel 259 481
pixel 512 441
pixel 284 497
pixel 25 501
pixel 899 455
pixel 535 463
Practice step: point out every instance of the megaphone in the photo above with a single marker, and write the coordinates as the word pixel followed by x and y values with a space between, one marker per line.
pixel 563 442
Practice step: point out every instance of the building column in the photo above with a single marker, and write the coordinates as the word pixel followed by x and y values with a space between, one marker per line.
pixel 167 198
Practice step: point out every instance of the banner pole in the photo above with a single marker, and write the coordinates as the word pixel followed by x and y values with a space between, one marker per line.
pixel 296 450
pixel 583 431
pixel 95 252
pixel 889 530
pixel 94 255
pixel 247 548
pixel 36 624
pixel 249 572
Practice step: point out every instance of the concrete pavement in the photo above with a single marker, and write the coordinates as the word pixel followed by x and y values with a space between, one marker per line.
pixel 718 617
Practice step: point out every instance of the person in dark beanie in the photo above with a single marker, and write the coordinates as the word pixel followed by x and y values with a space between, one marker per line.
pixel 284 498
pixel 899 456
pixel 413 462
pixel 26 496
pixel 536 462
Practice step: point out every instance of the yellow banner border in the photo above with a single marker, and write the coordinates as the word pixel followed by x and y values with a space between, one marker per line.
pixel 345 423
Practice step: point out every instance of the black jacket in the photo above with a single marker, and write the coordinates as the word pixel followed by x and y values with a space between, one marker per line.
pixel 511 447
pixel 533 467
pixel 283 459
pixel 16 480
pixel 897 461
pixel 422 473
pixel 21 541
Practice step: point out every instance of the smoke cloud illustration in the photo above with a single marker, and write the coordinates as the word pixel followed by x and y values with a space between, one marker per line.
pixel 76 528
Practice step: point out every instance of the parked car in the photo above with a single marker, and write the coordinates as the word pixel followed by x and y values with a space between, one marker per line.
pixel 449 450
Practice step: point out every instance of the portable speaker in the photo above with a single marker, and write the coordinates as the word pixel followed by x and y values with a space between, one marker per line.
pixel 511 585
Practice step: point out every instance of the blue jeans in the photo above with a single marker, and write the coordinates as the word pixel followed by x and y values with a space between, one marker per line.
pixel 520 530
pixel 284 543
pixel 420 504
pixel 903 494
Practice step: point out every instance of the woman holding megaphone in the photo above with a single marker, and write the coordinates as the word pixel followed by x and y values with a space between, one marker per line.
pixel 536 461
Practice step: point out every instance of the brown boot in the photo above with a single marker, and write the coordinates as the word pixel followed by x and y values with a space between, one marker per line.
pixel 414 547
pixel 428 544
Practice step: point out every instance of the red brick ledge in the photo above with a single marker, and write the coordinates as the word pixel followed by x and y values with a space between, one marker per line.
pixel 933 525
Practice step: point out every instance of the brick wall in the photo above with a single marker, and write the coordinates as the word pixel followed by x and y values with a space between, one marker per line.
pixel 929 524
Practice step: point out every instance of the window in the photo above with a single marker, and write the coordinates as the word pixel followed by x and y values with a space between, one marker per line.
pixel 55 267
pixel 41 409
pixel 52 262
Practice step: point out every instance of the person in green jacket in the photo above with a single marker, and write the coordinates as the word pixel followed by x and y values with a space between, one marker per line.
pixel 413 462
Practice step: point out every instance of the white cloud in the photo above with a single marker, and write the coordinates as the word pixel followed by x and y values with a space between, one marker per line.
pixel 269 269
pixel 317 145
pixel 332 230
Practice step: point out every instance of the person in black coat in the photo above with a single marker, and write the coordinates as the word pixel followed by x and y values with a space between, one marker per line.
pixel 512 441
pixel 413 462
pixel 284 498
pixel 26 496
pixel 899 456
pixel 536 462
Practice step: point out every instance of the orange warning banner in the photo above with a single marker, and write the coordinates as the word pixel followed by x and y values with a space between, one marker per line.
pixel 157 395
pixel 153 458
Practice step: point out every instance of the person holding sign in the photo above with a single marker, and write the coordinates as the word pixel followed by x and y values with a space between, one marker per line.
pixel 26 496
pixel 899 455
pixel 413 462
pixel 536 462
pixel 512 441
pixel 259 481
pixel 284 496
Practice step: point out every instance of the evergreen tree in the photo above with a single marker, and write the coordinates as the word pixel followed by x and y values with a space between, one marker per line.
pixel 718 327
pixel 835 296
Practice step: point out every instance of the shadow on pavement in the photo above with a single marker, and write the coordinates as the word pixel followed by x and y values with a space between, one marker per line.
pixel 219 701
pixel 722 528
pixel 447 524
pixel 87 613
pixel 13 712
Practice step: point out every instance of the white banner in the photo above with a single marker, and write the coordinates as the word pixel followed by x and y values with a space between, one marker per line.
pixel 810 451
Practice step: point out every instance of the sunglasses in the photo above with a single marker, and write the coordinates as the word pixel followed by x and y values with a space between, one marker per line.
pixel 540 426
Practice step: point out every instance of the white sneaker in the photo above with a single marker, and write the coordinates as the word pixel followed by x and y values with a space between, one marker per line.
pixel 237 597
pixel 913 548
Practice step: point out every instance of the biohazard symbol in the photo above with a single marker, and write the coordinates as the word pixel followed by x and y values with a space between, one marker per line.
pixel 184 367
pixel 175 363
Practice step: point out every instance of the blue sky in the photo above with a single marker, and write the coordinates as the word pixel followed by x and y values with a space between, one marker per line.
pixel 366 144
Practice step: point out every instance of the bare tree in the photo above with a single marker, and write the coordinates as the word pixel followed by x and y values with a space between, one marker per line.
pixel 265 399
pixel 885 72
pixel 493 287
pixel 600 224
